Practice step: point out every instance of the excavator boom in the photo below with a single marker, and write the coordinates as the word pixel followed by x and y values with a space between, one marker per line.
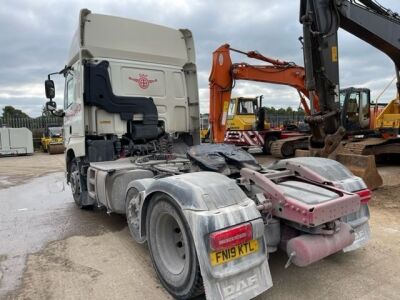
pixel 223 76
pixel 321 20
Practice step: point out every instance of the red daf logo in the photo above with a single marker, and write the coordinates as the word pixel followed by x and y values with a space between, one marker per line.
pixel 142 81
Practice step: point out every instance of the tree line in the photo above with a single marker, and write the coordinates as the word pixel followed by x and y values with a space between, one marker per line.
pixel 284 111
pixel 10 112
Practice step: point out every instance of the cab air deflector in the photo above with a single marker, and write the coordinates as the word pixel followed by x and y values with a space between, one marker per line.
pixel 98 92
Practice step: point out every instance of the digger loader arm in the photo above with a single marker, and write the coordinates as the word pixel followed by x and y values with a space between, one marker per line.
pixel 224 73
pixel 321 21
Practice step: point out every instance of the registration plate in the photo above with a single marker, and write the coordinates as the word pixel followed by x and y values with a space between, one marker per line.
pixel 223 256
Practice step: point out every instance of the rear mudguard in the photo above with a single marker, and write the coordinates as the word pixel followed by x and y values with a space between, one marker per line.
pixel 359 222
pixel 211 201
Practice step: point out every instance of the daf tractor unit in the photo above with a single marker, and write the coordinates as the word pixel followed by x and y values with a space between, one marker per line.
pixel 209 213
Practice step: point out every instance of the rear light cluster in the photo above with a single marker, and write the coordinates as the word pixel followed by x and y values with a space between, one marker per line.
pixel 365 195
pixel 230 237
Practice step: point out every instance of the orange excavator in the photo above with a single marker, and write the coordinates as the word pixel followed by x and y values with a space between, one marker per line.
pixel 222 79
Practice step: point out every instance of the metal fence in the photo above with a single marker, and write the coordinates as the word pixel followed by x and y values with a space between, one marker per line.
pixel 38 123
pixel 278 120
pixel 37 126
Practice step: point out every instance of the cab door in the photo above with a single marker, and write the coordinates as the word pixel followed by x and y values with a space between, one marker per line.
pixel 364 109
pixel 355 105
pixel 231 124
pixel 73 107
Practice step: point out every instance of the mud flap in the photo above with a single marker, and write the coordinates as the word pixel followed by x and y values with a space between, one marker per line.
pixel 243 278
pixel 363 166
pixel 359 222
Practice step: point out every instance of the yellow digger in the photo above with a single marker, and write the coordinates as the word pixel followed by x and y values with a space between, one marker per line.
pixel 204 128
pixel 52 140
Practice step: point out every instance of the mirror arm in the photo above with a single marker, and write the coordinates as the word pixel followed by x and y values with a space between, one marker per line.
pixel 61 72
pixel 65 70
pixel 48 76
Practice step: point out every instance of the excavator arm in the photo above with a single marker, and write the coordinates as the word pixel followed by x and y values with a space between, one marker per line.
pixel 224 73
pixel 321 20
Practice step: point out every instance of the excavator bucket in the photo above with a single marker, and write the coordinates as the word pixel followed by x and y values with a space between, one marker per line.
pixel 363 166
pixel 56 148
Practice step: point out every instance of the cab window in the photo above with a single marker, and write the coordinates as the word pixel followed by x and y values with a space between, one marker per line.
pixel 342 98
pixel 353 107
pixel 231 110
pixel 69 91
pixel 247 107
pixel 364 104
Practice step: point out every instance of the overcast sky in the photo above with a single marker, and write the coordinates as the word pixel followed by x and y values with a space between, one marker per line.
pixel 35 38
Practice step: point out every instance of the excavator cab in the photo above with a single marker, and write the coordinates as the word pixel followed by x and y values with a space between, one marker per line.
pixel 355 109
pixel 204 128
pixel 242 113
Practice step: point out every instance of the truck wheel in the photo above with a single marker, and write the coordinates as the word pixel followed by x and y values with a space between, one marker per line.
pixel 172 249
pixel 75 180
pixel 267 143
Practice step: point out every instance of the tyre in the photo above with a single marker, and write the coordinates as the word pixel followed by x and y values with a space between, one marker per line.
pixel 172 249
pixel 268 140
pixel 288 150
pixel 75 181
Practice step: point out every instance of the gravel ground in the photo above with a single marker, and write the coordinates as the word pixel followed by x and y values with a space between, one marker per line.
pixel 51 250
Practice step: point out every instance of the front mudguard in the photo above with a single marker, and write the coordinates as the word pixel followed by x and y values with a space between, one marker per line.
pixel 210 202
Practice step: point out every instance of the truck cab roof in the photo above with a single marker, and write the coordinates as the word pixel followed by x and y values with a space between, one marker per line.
pixel 120 38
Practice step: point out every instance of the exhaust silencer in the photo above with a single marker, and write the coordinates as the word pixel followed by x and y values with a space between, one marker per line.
pixel 307 249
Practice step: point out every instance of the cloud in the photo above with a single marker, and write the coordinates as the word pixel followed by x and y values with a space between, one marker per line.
pixel 35 38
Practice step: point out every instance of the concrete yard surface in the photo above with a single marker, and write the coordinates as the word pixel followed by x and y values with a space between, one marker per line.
pixel 49 249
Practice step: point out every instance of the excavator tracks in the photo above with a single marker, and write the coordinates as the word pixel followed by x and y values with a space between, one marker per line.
pixel 373 146
pixel 285 148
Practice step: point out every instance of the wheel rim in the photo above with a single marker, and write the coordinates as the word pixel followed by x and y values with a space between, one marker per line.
pixel 172 247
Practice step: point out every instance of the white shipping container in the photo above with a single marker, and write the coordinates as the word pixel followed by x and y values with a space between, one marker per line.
pixel 16 141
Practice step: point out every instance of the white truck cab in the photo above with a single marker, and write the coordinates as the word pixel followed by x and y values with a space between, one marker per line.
pixel 128 78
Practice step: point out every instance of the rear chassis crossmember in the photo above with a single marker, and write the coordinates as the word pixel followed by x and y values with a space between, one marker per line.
pixel 310 215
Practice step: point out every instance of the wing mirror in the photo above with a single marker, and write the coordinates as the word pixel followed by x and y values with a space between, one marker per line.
pixel 50 90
